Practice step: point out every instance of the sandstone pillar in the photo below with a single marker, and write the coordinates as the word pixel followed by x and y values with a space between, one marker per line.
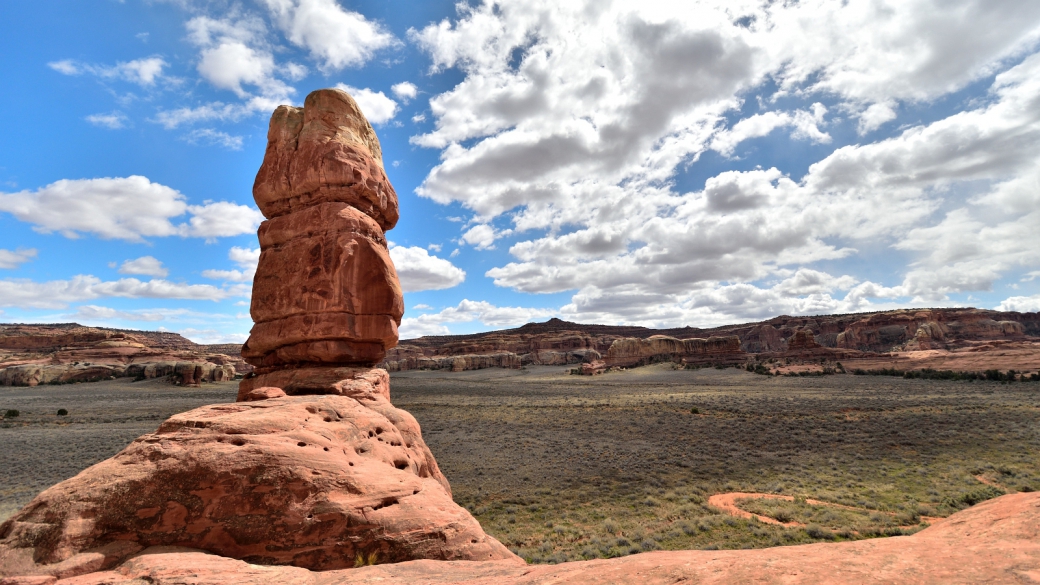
pixel 326 299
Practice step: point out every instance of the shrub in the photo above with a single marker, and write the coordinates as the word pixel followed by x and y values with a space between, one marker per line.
pixel 815 531
pixel 11 413
pixel 62 412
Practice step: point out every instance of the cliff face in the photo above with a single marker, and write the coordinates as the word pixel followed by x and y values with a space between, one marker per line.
pixel 631 351
pixel 66 353
pixel 841 336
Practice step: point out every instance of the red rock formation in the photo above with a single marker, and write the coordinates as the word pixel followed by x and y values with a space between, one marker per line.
pixel 802 339
pixel 325 291
pixel 629 352
pixel 997 541
pixel 311 481
pixel 67 353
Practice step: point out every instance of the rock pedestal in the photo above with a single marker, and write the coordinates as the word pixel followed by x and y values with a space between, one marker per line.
pixel 313 466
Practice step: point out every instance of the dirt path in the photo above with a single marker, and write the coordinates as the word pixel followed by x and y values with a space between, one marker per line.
pixel 992 483
pixel 727 502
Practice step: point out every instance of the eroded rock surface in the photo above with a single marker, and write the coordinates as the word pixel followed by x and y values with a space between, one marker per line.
pixel 994 542
pixel 32 355
pixel 309 481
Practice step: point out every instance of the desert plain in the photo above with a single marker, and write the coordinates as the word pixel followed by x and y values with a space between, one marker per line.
pixel 561 467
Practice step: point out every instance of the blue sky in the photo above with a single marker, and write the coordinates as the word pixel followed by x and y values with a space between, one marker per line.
pixel 661 164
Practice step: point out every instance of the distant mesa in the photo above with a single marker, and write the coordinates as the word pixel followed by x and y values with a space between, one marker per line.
pixel 954 339
pixel 31 355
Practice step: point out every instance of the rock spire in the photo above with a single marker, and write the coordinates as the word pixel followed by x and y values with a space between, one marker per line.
pixel 325 293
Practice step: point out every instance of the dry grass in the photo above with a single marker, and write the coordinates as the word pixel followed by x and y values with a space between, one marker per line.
pixel 562 467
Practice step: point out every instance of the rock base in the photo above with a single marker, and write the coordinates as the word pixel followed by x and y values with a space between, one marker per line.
pixel 311 481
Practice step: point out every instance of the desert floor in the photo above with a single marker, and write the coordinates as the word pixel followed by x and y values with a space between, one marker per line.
pixel 562 467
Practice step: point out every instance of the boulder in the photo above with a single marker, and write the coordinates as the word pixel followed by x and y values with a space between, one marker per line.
pixel 309 481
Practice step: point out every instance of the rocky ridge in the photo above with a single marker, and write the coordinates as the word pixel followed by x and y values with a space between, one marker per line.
pixel 65 353
pixel 873 336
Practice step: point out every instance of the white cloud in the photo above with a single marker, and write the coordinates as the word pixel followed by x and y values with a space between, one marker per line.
pixel 211 136
pixel 230 64
pixel 1020 304
pixel 875 116
pixel 95 313
pixel 221 219
pixel 339 38
pixel 468 311
pixel 481 235
pixel 212 336
pixel 805 123
pixel 127 208
pixel 247 260
pixel 234 52
pixel 421 307
pixel 143 72
pixel 405 90
pixel 146 265
pixel 113 121
pixel 577 143
pixel 57 294
pixel 419 271
pixel 10 260
pixel 376 107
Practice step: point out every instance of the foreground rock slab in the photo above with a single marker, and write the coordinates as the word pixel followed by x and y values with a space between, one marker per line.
pixel 995 542
pixel 310 481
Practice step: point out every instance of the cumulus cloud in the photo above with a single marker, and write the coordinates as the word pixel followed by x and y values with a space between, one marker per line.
pixel 143 72
pixel 58 294
pixel 1020 304
pixel 337 37
pixel 419 271
pixel 127 208
pixel 376 107
pixel 233 52
pixel 10 260
pixel 469 311
pixel 146 265
pixel 247 260
pixel 577 144
pixel 405 90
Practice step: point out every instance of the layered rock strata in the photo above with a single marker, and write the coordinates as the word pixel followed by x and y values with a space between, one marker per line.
pixel 325 291
pixel 629 352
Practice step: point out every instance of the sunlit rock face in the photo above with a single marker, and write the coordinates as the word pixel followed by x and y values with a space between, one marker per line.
pixel 325 291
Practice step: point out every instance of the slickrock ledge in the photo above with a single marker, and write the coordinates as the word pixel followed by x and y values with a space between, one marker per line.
pixel 309 481
pixel 997 541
